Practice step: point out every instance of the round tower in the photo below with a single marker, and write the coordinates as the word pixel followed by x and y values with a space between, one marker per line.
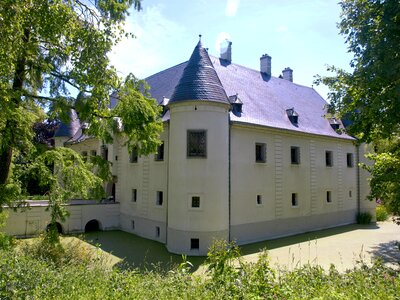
pixel 65 131
pixel 198 186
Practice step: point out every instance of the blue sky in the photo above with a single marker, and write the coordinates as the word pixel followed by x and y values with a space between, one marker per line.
pixel 300 34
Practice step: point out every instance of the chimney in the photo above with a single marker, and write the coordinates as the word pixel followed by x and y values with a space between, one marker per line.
pixel 288 74
pixel 265 64
pixel 226 50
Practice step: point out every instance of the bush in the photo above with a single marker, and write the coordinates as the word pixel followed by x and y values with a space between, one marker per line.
pixel 381 213
pixel 364 218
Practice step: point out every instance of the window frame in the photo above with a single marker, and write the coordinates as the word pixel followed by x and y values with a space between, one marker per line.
pixel 192 199
pixel 329 197
pixel 134 196
pixel 194 243
pixel 295 156
pixel 263 153
pixel 159 198
pixel 158 231
pixel 350 160
pixel 189 136
pixel 329 158
pixel 133 156
pixel 159 156
pixel 259 200
pixel 295 200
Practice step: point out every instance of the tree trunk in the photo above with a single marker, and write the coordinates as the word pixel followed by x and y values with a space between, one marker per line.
pixel 18 83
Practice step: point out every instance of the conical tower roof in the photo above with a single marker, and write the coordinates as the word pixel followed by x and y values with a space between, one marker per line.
pixel 199 80
pixel 68 129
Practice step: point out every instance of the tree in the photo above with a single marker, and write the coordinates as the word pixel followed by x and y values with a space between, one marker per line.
pixel 51 50
pixel 369 95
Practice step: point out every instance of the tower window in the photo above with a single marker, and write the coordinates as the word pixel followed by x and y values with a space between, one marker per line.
pixel 133 156
pixel 350 160
pixel 259 199
pixel 196 143
pixel 295 199
pixel 196 201
pixel 159 200
pixel 329 196
pixel 329 158
pixel 260 153
pixel 133 224
pixel 194 244
pixel 295 155
pixel 160 152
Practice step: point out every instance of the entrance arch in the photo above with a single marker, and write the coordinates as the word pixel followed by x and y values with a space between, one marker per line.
pixel 92 225
pixel 58 227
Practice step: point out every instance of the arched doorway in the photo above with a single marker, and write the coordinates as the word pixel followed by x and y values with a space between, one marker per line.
pixel 92 225
pixel 58 227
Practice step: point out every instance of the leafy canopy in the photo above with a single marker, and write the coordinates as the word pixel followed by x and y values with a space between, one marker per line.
pixel 51 51
pixel 369 95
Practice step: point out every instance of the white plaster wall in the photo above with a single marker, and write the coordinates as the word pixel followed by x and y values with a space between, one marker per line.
pixel 205 177
pixel 147 176
pixel 277 179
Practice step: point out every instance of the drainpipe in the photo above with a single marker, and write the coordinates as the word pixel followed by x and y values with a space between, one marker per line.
pixel 166 219
pixel 229 177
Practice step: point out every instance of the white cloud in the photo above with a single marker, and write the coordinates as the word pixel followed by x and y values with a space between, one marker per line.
pixel 148 52
pixel 231 7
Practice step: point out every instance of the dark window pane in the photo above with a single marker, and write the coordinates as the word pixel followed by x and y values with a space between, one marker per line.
pixel 160 152
pixel 196 143
pixel 194 243
pixel 195 201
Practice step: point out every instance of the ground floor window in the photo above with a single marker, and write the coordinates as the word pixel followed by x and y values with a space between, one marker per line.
pixel 328 196
pixel 194 244
pixel 295 199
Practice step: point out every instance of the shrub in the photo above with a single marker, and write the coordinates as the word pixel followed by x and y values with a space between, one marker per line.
pixel 381 213
pixel 364 218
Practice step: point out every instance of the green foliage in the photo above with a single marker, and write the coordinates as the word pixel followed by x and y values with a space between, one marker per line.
pixel 47 49
pixel 33 276
pixel 381 213
pixel 364 218
pixel 369 96
pixel 6 242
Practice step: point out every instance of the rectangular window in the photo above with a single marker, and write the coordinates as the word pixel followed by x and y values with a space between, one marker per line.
pixel 134 195
pixel 260 153
pixel 157 231
pixel 104 152
pixel 133 224
pixel 295 155
pixel 328 196
pixel 329 158
pixel 160 152
pixel 194 244
pixel 259 199
pixel 159 200
pixel 93 153
pixel 84 155
pixel 196 201
pixel 350 160
pixel 350 194
pixel 133 156
pixel 196 143
pixel 295 199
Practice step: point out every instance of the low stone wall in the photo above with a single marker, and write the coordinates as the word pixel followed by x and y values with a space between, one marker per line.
pixel 34 219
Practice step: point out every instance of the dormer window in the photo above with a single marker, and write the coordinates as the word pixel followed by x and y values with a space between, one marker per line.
pixel 334 124
pixel 293 116
pixel 236 104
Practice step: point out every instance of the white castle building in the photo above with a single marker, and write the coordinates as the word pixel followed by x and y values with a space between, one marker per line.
pixel 245 157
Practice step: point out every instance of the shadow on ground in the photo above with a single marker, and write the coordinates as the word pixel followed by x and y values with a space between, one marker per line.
pixel 151 255
pixel 388 252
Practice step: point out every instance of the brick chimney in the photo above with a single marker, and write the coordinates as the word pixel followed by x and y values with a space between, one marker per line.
pixel 265 64
pixel 226 53
pixel 287 74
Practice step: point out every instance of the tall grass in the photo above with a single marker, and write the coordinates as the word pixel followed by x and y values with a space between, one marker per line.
pixel 27 274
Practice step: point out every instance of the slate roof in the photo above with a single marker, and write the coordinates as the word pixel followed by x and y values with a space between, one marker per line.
pixel 265 98
pixel 199 80
pixel 70 129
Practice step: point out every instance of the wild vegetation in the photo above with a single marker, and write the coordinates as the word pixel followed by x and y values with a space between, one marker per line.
pixel 37 272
